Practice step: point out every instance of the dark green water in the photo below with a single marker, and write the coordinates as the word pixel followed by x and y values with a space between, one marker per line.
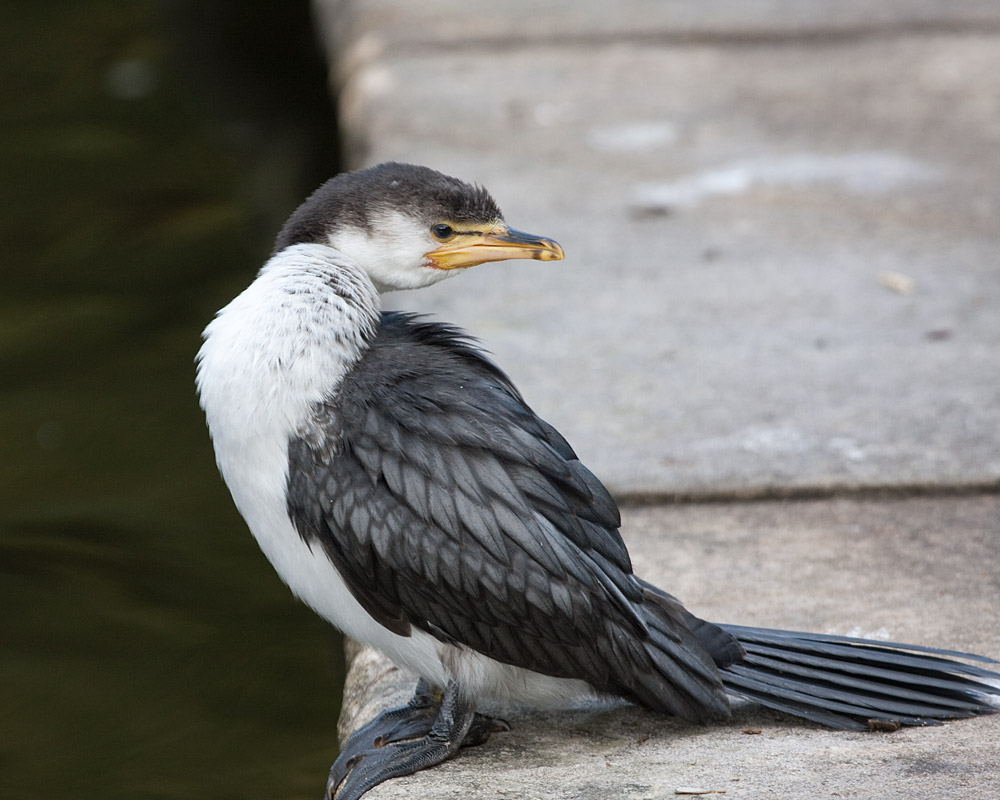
pixel 149 151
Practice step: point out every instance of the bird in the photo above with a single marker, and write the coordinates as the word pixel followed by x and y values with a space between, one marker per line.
pixel 402 488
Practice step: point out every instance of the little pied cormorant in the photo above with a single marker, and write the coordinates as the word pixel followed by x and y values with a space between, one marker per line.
pixel 402 488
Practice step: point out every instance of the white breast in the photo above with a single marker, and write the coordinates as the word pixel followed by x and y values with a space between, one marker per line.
pixel 277 349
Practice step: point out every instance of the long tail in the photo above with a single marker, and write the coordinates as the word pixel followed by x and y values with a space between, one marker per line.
pixel 858 684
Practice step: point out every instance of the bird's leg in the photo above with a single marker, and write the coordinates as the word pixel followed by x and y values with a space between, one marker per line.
pixel 413 721
pixel 403 740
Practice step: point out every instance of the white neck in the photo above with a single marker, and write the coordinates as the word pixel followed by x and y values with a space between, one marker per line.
pixel 277 349
pixel 269 356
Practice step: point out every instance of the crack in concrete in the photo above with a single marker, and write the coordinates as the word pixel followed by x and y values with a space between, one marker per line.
pixel 900 491
pixel 730 38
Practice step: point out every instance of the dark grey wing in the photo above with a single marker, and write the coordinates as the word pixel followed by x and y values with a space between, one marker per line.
pixel 447 504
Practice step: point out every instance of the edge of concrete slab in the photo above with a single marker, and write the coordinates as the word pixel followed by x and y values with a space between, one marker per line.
pixel 376 25
pixel 743 347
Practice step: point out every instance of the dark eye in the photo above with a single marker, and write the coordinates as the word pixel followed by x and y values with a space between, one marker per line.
pixel 442 231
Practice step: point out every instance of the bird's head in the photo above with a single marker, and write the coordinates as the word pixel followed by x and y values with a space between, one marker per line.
pixel 408 226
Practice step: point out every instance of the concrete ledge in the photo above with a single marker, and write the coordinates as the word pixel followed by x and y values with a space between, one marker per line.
pixel 922 571
pixel 373 28
pixel 781 228
pixel 781 261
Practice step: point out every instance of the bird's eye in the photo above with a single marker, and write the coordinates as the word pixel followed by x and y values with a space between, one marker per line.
pixel 442 231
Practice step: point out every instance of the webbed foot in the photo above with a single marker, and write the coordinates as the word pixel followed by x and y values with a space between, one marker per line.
pixel 403 740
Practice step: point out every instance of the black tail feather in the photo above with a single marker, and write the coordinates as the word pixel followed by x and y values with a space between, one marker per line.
pixel 912 698
pixel 854 684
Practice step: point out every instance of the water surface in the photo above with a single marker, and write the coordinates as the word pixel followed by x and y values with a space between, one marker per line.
pixel 150 150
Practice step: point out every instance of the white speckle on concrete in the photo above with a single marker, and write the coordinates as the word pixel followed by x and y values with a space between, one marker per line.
pixel 787 440
pixel 857 173
pixel 632 136
pixel 847 447
pixel 763 439
pixel 897 282
pixel 549 113
pixel 879 634
pixel 772 440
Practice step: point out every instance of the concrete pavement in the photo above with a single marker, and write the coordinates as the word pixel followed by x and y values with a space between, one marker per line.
pixel 919 569
pixel 782 255
pixel 782 279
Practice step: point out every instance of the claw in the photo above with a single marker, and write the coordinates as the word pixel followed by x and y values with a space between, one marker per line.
pixel 404 740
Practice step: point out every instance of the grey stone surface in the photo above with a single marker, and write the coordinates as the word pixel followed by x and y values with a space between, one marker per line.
pixel 874 568
pixel 735 219
pixel 782 276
